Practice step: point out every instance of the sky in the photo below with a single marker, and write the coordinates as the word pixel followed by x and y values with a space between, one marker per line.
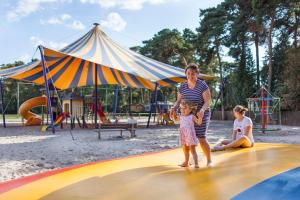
pixel 25 24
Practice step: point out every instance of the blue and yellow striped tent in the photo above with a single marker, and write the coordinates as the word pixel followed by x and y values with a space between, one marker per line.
pixel 73 66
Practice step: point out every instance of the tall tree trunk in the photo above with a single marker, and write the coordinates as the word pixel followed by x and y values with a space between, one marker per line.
pixel 270 65
pixel 221 77
pixel 295 43
pixel 257 59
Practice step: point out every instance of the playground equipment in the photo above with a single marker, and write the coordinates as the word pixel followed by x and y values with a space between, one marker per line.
pixel 60 118
pixel 92 109
pixel 30 117
pixel 271 166
pixel 264 110
pixel 165 118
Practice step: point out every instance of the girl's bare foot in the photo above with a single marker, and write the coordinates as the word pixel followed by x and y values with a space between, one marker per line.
pixel 196 166
pixel 209 164
pixel 184 164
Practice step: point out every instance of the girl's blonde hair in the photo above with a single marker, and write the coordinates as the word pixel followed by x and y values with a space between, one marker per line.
pixel 191 105
pixel 240 109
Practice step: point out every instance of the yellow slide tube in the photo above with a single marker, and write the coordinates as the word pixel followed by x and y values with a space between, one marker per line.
pixel 30 117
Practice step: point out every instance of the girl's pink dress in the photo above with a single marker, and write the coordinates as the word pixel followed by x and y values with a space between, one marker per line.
pixel 187 131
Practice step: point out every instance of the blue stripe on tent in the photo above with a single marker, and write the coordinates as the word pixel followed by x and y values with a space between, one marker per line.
pixel 105 60
pixel 155 61
pixel 134 79
pixel 50 58
pixel 76 43
pixel 282 186
pixel 91 52
pixel 89 80
pixel 62 70
pixel 167 80
pixel 175 74
pixel 117 58
pixel 129 53
pixel 115 76
pixel 81 45
pixel 16 70
pixel 157 74
pixel 76 79
pixel 158 62
pixel 124 79
pixel 101 76
pixel 39 74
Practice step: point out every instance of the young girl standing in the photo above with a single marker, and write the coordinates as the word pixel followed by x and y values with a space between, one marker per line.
pixel 187 131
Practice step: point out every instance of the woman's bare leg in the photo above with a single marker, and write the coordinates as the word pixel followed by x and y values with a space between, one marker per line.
pixel 220 145
pixel 186 152
pixel 206 150
pixel 241 142
pixel 195 156
pixel 223 142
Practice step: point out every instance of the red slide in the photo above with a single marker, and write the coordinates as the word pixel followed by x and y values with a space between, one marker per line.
pixel 101 114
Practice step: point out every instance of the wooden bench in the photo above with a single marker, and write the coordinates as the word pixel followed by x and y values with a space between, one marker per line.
pixel 117 127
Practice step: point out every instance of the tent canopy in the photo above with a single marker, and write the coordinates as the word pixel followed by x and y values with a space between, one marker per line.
pixel 74 66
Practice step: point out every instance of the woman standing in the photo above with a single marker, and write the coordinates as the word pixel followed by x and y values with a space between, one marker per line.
pixel 197 91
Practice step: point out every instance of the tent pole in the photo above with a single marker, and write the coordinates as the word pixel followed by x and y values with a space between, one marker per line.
pixel 47 88
pixel 130 100
pixel 116 100
pixel 156 106
pixel 151 104
pixel 106 99
pixel 71 112
pixel 96 97
pixel 2 103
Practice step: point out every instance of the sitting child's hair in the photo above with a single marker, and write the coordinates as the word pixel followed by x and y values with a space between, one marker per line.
pixel 240 109
pixel 191 105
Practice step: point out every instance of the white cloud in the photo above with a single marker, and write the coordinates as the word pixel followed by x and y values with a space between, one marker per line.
pixel 76 25
pixel 27 7
pixel 66 20
pixel 114 21
pixel 51 44
pixel 57 45
pixel 25 58
pixel 65 16
pixel 37 41
pixel 126 4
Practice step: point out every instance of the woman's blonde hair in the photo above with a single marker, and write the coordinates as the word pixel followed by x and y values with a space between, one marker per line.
pixel 192 66
pixel 240 109
pixel 191 105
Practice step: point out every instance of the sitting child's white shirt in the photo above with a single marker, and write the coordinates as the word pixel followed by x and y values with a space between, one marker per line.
pixel 241 125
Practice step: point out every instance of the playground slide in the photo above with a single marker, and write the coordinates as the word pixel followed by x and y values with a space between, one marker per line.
pixel 102 116
pixel 57 122
pixel 30 117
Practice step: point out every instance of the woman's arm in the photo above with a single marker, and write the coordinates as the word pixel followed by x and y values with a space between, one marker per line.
pixel 177 103
pixel 197 120
pixel 234 132
pixel 206 97
pixel 248 130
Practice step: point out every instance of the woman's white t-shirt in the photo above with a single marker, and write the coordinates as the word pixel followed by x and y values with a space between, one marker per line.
pixel 240 125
